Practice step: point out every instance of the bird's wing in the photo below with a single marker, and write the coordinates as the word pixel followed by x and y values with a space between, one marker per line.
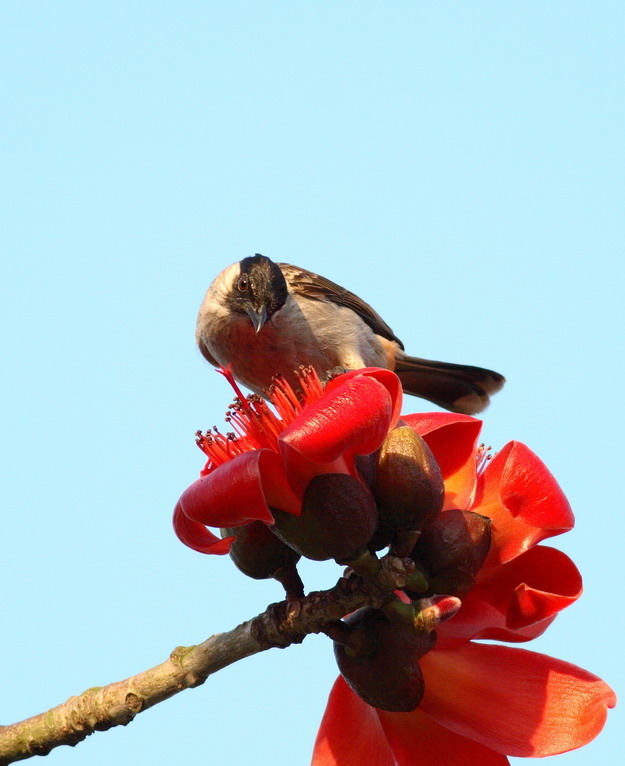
pixel 316 287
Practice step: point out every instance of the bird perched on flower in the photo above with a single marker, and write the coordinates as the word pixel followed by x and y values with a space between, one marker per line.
pixel 263 318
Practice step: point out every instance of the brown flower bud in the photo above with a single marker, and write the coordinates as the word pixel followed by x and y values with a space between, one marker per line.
pixel 338 518
pixel 452 549
pixel 257 552
pixel 365 465
pixel 408 486
pixel 380 660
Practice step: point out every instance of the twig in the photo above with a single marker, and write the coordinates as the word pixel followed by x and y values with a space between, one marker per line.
pixel 281 624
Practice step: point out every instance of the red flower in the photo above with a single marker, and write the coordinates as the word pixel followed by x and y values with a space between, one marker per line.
pixel 484 702
pixel 520 588
pixel 481 702
pixel 272 460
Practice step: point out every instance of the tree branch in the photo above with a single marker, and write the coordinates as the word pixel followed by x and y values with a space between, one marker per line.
pixel 281 624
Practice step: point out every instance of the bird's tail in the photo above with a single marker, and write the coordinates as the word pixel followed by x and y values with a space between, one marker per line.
pixel 456 387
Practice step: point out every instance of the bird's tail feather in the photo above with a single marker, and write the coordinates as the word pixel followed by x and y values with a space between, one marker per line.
pixel 456 387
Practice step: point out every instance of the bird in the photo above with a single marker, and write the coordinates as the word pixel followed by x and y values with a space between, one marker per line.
pixel 263 318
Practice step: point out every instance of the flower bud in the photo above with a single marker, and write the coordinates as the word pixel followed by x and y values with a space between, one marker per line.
pixel 338 518
pixel 408 486
pixel 452 549
pixel 257 552
pixel 365 465
pixel 425 614
pixel 432 611
pixel 380 662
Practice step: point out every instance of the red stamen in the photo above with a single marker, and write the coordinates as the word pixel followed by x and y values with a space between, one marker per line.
pixel 311 384
pixel 284 400
pixel 254 425
pixel 227 373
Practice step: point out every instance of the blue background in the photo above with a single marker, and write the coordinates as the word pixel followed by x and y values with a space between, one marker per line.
pixel 459 165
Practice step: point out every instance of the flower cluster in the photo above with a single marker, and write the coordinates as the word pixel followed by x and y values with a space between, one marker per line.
pixel 336 474
pixel 482 702
pixel 294 469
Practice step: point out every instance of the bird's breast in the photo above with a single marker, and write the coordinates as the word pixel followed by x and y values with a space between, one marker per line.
pixel 304 332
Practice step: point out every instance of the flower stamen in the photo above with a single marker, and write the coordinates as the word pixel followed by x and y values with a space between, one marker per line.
pixel 285 400
pixel 482 456
pixel 254 424
pixel 311 384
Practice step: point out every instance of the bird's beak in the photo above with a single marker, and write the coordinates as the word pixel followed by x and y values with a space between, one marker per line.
pixel 258 317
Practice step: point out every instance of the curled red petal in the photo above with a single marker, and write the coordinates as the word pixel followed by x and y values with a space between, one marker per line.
pixel 415 733
pixel 350 732
pixel 196 535
pixel 387 378
pixel 524 501
pixel 514 701
pixel 453 439
pixel 518 600
pixel 536 585
pixel 240 491
pixel 480 619
pixel 352 419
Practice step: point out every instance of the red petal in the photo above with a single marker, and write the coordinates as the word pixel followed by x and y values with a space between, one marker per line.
pixel 352 419
pixel 536 585
pixel 517 601
pixel 196 535
pixel 240 491
pixel 480 619
pixel 514 701
pixel 452 439
pixel 350 732
pixel 524 501
pixel 417 740
pixel 387 378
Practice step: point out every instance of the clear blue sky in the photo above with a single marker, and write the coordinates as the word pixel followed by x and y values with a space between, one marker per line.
pixel 459 165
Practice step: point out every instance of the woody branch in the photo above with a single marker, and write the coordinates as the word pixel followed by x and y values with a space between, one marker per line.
pixel 281 624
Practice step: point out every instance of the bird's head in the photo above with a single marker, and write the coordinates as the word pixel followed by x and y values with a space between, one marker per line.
pixel 259 289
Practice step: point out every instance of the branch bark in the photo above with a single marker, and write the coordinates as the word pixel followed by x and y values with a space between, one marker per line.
pixel 281 624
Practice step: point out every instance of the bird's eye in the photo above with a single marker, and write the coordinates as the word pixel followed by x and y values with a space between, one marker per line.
pixel 243 283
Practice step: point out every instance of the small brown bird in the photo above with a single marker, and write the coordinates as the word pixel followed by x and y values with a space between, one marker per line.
pixel 264 318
